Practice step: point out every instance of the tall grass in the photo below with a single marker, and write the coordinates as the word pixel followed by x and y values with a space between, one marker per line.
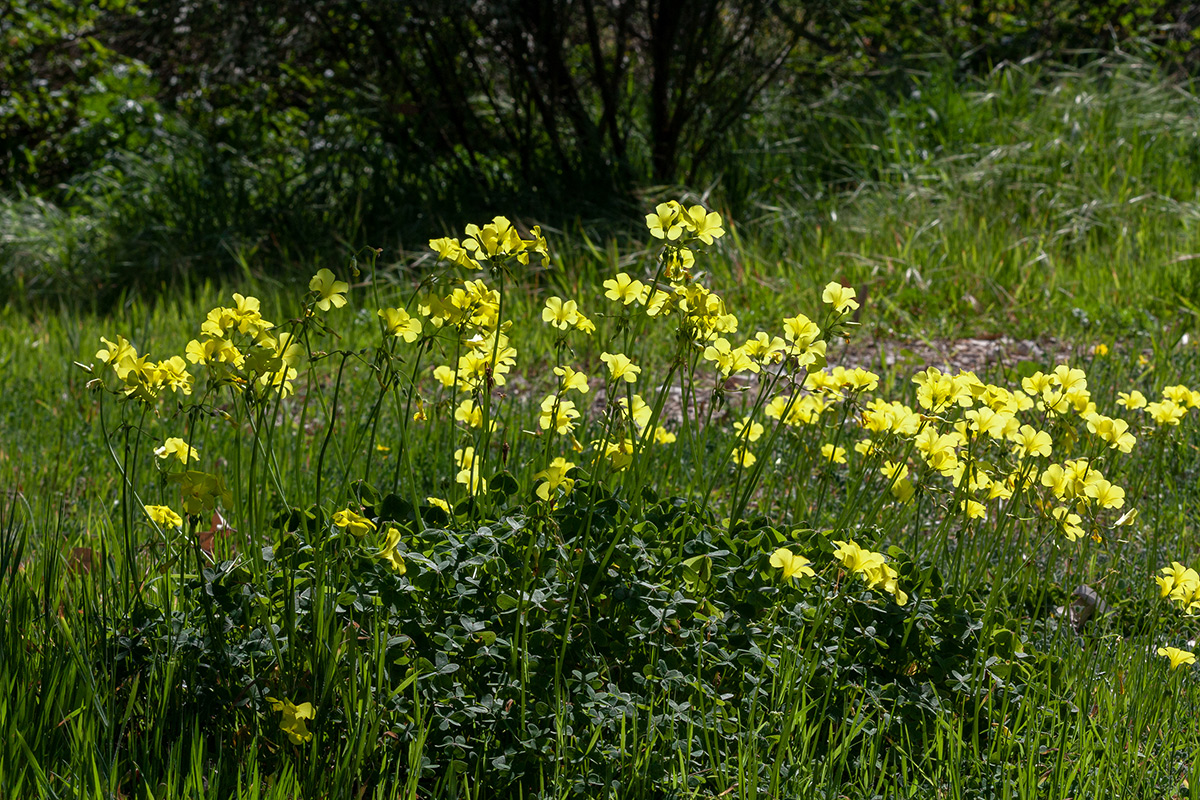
pixel 1034 201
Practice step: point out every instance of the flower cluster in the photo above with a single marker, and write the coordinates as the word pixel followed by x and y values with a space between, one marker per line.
pixel 238 346
pixel 1181 585
pixel 494 243
pixel 988 441
pixel 140 378
pixel 870 565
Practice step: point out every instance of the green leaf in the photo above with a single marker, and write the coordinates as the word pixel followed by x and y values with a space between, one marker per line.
pixel 367 494
pixel 395 508
pixel 504 484
pixel 697 573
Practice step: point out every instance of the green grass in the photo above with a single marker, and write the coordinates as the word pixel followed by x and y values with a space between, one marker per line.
pixel 635 641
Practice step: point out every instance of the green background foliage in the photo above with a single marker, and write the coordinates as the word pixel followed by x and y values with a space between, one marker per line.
pixel 145 144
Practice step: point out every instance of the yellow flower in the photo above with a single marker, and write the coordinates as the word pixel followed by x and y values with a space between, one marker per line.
pixel 178 448
pixel 800 331
pixel 855 558
pixel 559 314
pixel 706 225
pixel 1100 349
pixel 293 722
pixel 468 472
pixel 936 390
pixel 764 349
pixel 245 314
pixel 438 502
pixel 164 516
pixel 1177 657
pixel 992 423
pixel 470 413
pixel 583 324
pixel 620 367
pixel 752 433
pixel 974 509
pixel 656 301
pixel 835 454
pixel 619 454
pixel 729 359
pixel 623 289
pixel 114 353
pixel 1029 442
pixel 173 374
pixel 744 458
pixel 450 249
pixel 329 291
pixel 899 484
pixel 1105 494
pixel 666 222
pixel 639 410
pixel 1166 413
pixel 399 323
pixel 390 554
pixel 572 379
pixel 555 477
pixel 884 578
pixel 1131 400
pixel 557 414
pixel 1069 379
pixel 1115 431
pixel 1068 523
pixel 352 522
pixel 1182 585
pixel 840 297
pixel 793 566
pixel 1037 384
pixel 1180 395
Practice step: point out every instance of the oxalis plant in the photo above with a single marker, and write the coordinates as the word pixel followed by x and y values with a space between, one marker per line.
pixel 656 554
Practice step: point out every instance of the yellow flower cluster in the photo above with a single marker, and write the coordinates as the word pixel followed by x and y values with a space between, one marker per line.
pixel 472 311
pixel 973 433
pixel 494 243
pixel 1181 585
pixel 140 378
pixel 237 346
pixel 680 227
pixel 870 565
